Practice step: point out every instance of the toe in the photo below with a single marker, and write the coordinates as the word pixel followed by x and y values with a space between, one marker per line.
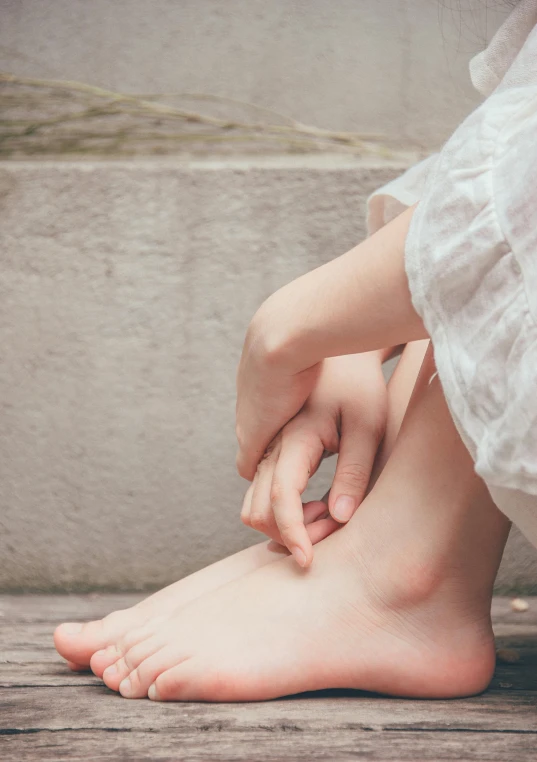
pixel 177 684
pixel 139 653
pixel 139 634
pixel 78 642
pixel 137 683
pixel 103 659
pixel 77 667
pixel 129 661
pixel 115 673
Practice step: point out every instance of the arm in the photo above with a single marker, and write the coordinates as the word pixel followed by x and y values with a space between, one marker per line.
pixel 358 302
pixel 355 303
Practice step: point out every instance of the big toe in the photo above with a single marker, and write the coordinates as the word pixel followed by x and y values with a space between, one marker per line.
pixel 78 642
pixel 75 641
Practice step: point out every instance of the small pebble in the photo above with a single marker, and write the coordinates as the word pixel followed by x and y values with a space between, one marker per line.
pixel 508 655
pixel 506 685
pixel 519 605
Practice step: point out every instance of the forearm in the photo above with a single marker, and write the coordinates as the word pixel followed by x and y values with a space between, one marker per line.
pixel 355 303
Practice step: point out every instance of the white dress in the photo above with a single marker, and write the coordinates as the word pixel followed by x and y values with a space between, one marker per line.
pixel 471 261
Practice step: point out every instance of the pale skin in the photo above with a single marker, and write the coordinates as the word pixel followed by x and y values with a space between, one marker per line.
pixel 359 302
pixel 397 601
pixel 78 643
pixel 344 414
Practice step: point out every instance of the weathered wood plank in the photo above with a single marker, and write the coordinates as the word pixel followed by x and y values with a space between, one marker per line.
pixel 63 608
pixel 274 745
pixel 62 708
pixel 47 712
pixel 502 613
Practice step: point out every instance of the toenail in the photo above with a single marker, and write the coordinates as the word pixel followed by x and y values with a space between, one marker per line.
pixel 125 687
pixel 72 628
pixel 152 693
pixel 343 508
pixel 109 671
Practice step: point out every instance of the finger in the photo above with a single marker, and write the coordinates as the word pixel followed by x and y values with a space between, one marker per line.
pixel 321 529
pixel 264 409
pixel 318 530
pixel 261 515
pixel 357 450
pixel 300 454
pixel 315 510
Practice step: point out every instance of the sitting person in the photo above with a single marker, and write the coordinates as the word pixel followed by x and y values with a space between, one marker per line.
pixel 387 586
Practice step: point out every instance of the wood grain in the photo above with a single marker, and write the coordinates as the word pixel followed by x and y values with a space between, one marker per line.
pixel 47 712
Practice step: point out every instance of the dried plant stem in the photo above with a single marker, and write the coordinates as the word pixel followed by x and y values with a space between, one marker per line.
pixel 113 104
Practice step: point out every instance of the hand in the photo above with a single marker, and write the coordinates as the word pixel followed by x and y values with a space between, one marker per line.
pixel 269 391
pixel 355 303
pixel 346 414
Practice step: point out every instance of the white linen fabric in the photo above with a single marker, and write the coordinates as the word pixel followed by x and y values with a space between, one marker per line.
pixel 471 260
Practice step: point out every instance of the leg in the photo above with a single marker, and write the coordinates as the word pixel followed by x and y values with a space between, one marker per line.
pixel 78 642
pixel 397 601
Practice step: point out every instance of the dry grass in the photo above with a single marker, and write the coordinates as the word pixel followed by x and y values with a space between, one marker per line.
pixel 47 117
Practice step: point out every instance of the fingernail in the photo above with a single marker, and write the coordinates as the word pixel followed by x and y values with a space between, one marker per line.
pixel 152 693
pixel 343 508
pixel 72 628
pixel 111 670
pixel 125 687
pixel 300 556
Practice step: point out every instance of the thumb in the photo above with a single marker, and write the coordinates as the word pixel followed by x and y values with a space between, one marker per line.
pixel 357 451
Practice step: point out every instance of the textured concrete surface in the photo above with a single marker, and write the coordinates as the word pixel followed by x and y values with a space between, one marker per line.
pixel 398 67
pixel 125 290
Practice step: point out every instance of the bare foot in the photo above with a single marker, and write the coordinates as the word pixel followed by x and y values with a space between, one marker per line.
pixel 77 642
pixel 279 631
pixel 96 640
pixel 396 602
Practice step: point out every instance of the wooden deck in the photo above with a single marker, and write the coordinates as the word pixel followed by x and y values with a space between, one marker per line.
pixel 48 713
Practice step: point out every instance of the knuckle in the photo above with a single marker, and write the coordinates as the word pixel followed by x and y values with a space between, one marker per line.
pixel 288 526
pixel 301 436
pixel 276 493
pixel 258 520
pixel 354 476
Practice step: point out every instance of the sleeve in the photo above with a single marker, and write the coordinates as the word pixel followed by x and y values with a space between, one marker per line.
pixel 393 198
pixel 471 260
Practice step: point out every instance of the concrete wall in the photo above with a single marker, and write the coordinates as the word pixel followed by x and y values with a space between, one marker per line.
pixel 124 295
pixel 125 288
pixel 398 67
